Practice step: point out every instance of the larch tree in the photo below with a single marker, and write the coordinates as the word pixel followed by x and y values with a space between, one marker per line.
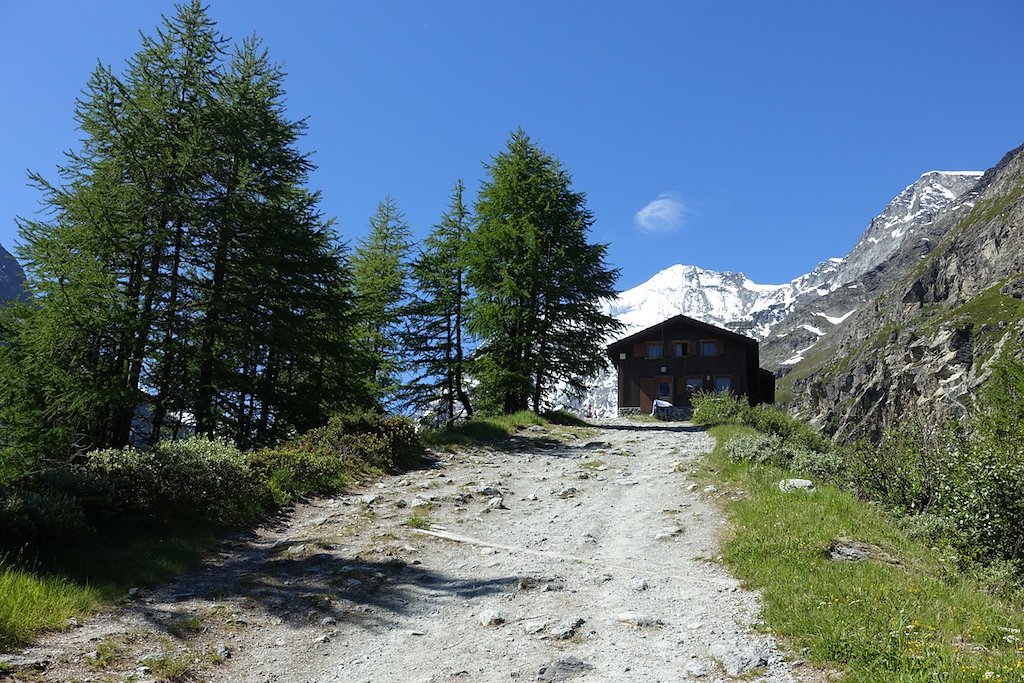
pixel 380 270
pixel 537 282
pixel 436 321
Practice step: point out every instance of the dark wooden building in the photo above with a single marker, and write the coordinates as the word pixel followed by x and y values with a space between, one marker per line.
pixel 680 356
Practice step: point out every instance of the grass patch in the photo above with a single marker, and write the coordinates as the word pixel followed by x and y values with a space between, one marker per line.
pixel 916 619
pixel 418 521
pixel 168 666
pixel 564 418
pixel 30 603
pixel 73 578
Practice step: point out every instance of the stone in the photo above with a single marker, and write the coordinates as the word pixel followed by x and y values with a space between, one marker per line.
pixel 320 640
pixel 639 584
pixel 491 617
pixel 562 669
pixel 567 492
pixel 738 659
pixel 1014 288
pixel 26 661
pixel 328 621
pixel 667 533
pixel 696 669
pixel 638 621
pixel 372 499
pixel 221 651
pixel 488 551
pixel 496 503
pixel 851 550
pixel 567 628
pixel 596 445
pixel 488 491
pixel 533 627
pixel 710 488
pixel 626 482
pixel 788 485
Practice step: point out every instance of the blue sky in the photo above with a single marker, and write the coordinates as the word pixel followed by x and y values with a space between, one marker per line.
pixel 749 136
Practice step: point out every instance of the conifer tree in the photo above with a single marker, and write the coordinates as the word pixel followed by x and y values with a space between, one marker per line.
pixel 537 282
pixel 380 270
pixel 183 269
pixel 437 316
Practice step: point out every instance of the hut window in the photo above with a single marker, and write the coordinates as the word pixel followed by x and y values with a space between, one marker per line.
pixel 709 347
pixel 665 390
pixel 694 384
pixel 655 350
pixel 723 384
pixel 680 348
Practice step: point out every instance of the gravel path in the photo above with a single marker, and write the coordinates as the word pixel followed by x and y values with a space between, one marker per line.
pixel 558 559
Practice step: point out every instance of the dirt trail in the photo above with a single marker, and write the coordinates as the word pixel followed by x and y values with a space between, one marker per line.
pixel 585 559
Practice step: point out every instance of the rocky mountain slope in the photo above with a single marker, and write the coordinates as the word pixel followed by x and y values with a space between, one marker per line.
pixel 925 343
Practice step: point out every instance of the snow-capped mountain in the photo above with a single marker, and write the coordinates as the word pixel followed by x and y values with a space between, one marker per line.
pixel 726 299
pixel 820 299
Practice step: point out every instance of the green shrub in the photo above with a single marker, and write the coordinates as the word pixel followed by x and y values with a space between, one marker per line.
pixel 27 514
pixel 200 480
pixel 192 478
pixel 982 493
pixel 327 458
pixel 794 432
pixel 760 449
pixel 927 526
pixel 903 472
pixel 825 465
pixel 714 409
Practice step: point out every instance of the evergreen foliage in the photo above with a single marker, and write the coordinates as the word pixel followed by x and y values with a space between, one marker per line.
pixel 380 268
pixel 537 283
pixel 183 277
pixel 437 317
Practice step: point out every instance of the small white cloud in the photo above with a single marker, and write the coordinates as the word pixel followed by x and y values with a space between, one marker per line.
pixel 664 214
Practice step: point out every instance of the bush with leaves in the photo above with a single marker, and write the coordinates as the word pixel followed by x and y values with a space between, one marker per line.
pixel 713 409
pixel 981 492
pixel 826 465
pixel 903 471
pixel 193 478
pixel 325 459
pixel 760 449
pixel 797 434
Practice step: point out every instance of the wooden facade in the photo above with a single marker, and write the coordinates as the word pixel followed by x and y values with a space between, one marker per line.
pixel 680 356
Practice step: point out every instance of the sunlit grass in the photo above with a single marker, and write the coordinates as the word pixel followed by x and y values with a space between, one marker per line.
pixel 29 603
pixel 913 618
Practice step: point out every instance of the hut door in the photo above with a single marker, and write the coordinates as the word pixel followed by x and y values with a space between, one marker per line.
pixel 656 387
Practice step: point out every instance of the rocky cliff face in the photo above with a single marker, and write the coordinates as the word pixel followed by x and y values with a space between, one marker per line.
pixel 893 243
pixel 923 342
